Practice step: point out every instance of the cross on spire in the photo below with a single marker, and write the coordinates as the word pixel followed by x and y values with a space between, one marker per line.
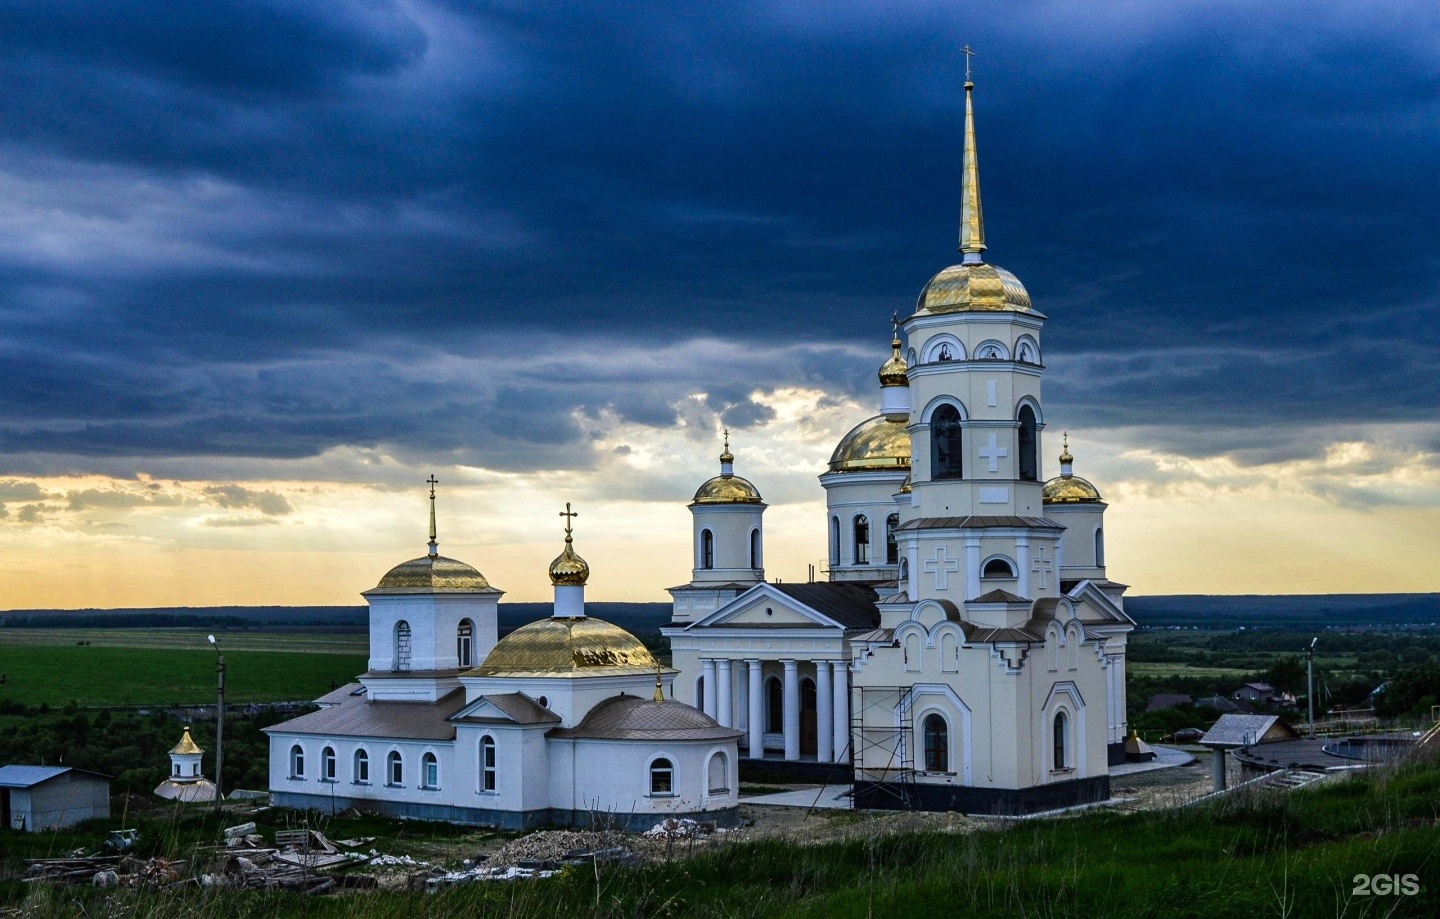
pixel 434 546
pixel 567 513
pixel 968 55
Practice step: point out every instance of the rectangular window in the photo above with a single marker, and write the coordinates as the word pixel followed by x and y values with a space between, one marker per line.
pixel 432 774
pixel 488 770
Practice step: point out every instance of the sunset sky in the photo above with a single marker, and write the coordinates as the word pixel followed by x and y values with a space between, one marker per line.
pixel 265 266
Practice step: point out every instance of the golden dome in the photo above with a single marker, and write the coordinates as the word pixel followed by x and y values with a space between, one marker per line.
pixel 578 647
pixel 876 444
pixel 187 745
pixel 569 568
pixel 727 489
pixel 892 372
pixel 973 287
pixel 432 574
pixel 1069 489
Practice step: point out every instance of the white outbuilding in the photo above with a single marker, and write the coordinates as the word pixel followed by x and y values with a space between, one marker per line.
pixel 36 798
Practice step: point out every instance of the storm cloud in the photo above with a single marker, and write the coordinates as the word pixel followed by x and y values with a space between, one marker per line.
pixel 458 230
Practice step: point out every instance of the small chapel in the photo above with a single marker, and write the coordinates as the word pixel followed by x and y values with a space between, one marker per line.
pixel 967 649
pixel 566 721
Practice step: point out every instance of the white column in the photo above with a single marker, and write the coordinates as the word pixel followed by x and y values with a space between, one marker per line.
pixel 742 697
pixel 972 567
pixel 841 711
pixel 724 697
pixel 824 719
pixel 757 714
pixel 707 670
pixel 792 709
pixel 1022 558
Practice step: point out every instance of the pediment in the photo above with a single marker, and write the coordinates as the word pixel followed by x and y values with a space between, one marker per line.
pixel 1093 607
pixel 764 607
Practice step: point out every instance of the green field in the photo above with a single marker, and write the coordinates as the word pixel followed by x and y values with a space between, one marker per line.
pixel 353 641
pixel 97 674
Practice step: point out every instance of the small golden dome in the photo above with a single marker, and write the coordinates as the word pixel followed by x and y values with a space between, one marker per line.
pixel 875 445
pixel 569 568
pixel 973 287
pixel 187 745
pixel 892 372
pixel 432 574
pixel 727 489
pixel 579 647
pixel 1069 489
pixel 1065 458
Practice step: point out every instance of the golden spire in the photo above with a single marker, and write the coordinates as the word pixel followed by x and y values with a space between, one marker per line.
pixel 727 457
pixel 569 569
pixel 1065 458
pixel 187 745
pixel 434 546
pixel 892 372
pixel 972 223
pixel 659 688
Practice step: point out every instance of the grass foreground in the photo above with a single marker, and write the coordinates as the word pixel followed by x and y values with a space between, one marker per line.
pixel 1284 855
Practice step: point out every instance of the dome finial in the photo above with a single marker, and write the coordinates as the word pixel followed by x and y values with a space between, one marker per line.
pixel 892 372
pixel 659 687
pixel 569 569
pixel 727 459
pixel 434 546
pixel 972 223
pixel 1065 458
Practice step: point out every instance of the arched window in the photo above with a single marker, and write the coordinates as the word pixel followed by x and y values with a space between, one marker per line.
pixel 465 643
pixel 997 568
pixel 707 549
pixel 396 768
pixel 1025 352
pixel 487 763
pixel 1099 548
pixel 904 569
pixel 719 773
pixel 834 540
pixel 297 762
pixel 1029 467
pixel 892 546
pixel 775 708
pixel 1062 733
pixel 807 695
pixel 755 548
pixel 327 764
pixel 429 771
pixel 862 540
pixel 402 645
pixel 662 777
pixel 946 460
pixel 362 768
pixel 937 744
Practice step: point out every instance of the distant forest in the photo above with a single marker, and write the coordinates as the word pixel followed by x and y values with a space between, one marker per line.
pixel 1334 611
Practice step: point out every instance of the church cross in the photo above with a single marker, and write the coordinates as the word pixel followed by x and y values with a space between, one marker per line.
pixel 568 513
pixel 432 482
pixel 968 55
pixel 1040 567
pixel 994 453
pixel 942 566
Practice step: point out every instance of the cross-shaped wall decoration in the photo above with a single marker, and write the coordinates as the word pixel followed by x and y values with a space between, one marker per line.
pixel 1040 567
pixel 994 453
pixel 942 566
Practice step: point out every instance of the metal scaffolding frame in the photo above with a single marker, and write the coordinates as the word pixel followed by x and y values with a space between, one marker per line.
pixel 883 748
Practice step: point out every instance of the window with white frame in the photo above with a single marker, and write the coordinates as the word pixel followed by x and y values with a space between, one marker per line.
pixel 488 772
pixel 395 767
pixel 429 771
pixel 327 764
pixel 297 762
pixel 662 777
pixel 362 768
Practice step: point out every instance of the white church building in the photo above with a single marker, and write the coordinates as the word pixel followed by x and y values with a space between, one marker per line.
pixel 967 651
pixel 564 722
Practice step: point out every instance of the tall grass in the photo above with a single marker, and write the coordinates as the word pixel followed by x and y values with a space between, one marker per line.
pixel 1283 855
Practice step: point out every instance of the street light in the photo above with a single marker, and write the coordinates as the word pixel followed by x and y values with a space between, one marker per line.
pixel 1310 684
pixel 219 721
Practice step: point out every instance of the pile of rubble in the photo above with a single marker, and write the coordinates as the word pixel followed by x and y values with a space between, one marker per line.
pixel 683 828
pixel 107 871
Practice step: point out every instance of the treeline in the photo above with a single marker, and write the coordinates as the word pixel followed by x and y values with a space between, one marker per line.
pixel 1290 612
pixel 125 621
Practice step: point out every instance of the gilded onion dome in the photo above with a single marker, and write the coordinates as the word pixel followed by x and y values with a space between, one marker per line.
pixel 569 569
pixel 727 487
pixel 1068 488
pixel 875 445
pixel 892 372
pixel 962 288
pixel 432 574
pixel 580 647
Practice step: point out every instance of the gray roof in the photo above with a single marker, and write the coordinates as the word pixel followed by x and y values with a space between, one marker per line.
pixel 998 596
pixel 851 605
pixel 1240 730
pixel 634 718
pixel 30 776
pixel 357 716
pixel 517 707
pixel 1164 700
pixel 977 522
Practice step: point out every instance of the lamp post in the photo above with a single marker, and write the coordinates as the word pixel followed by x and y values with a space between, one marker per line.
pixel 1310 684
pixel 219 721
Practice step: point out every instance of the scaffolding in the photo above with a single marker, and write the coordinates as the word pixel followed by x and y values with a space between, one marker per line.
pixel 882 740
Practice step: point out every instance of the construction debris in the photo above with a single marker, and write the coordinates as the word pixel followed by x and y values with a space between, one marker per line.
pixel 106 871
pixel 683 828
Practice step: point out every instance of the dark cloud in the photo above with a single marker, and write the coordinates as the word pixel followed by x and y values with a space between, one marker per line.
pixel 231 497
pixel 254 229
